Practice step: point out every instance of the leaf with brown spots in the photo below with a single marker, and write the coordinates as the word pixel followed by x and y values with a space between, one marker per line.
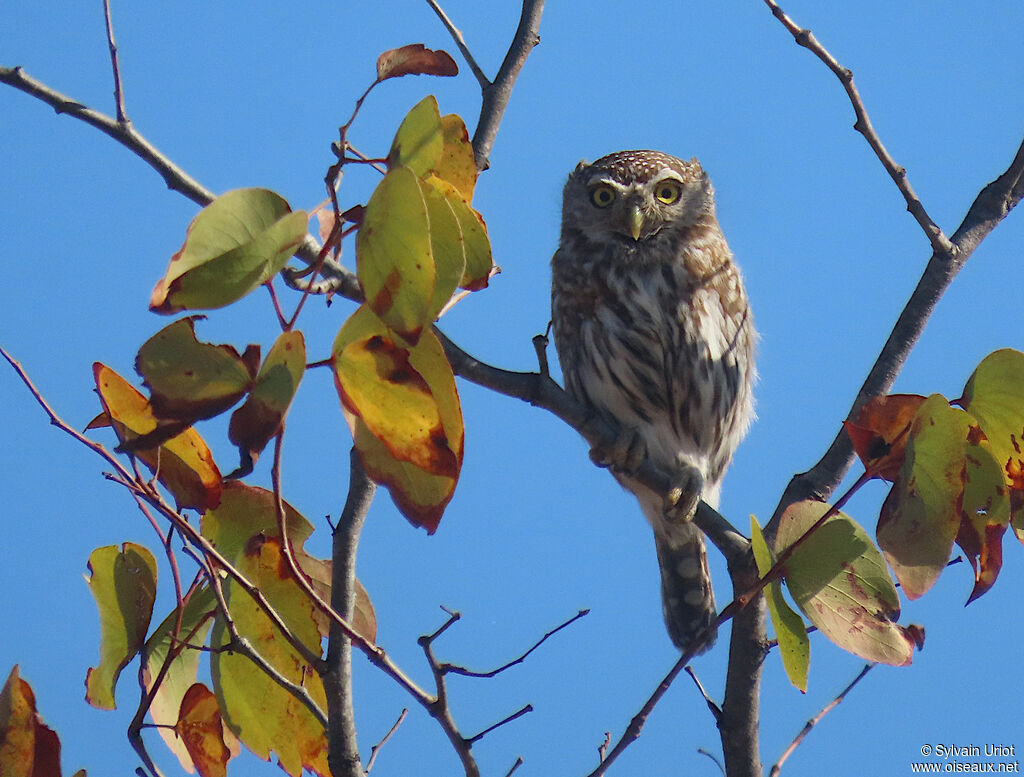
pixel 123 583
pixel 189 380
pixel 921 516
pixel 184 464
pixel 202 731
pixel 394 260
pixel 417 60
pixel 839 580
pixel 879 432
pixel 239 241
pixel 255 422
pixel 397 390
pixel 984 512
pixel 28 747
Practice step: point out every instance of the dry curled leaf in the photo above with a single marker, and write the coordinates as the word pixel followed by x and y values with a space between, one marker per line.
pixel 415 59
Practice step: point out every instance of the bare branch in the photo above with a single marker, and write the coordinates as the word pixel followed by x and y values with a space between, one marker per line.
pixel 461 43
pixel 817 719
pixel 496 95
pixel 716 711
pixel 343 750
pixel 514 716
pixel 516 765
pixel 453 669
pixel 175 178
pixel 122 117
pixel 439 710
pixel 804 37
pixel 376 748
pixel 990 207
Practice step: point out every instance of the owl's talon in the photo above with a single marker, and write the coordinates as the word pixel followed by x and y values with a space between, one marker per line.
pixel 682 499
pixel 624 456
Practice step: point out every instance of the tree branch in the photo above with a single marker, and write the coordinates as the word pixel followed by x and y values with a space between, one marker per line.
pixel 817 719
pixel 175 178
pixel 343 751
pixel 804 37
pixel 990 207
pixel 496 95
pixel 122 117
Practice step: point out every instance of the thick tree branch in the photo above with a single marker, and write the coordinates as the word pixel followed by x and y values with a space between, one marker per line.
pixel 341 733
pixel 990 207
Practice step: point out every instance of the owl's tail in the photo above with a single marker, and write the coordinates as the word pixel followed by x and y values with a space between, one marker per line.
pixel 687 599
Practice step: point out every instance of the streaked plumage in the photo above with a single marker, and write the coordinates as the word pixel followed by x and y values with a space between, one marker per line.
pixel 654 331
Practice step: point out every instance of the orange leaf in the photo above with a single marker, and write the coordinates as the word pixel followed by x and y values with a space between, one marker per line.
pixel 202 731
pixel 415 59
pixel 183 463
pixel 879 432
pixel 28 748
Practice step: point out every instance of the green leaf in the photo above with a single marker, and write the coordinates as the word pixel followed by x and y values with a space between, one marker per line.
pixel 233 245
pixel 984 514
pixel 790 630
pixel 994 395
pixel 473 248
pixel 189 380
pixel 196 620
pixel 265 717
pixel 262 414
pixel 921 515
pixel 447 244
pixel 394 260
pixel 839 580
pixel 419 141
pixel 123 582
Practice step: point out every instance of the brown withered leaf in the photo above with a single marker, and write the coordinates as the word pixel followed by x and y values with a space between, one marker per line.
pixel 202 731
pixel 879 432
pixel 415 59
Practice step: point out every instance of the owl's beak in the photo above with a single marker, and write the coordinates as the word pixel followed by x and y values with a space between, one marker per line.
pixel 636 221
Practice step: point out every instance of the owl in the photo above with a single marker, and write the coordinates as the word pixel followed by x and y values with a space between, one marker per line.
pixel 654 332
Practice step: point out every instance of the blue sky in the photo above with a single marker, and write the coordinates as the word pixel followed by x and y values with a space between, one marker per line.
pixel 251 94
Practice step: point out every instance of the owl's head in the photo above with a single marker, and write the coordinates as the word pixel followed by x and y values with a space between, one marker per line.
pixel 634 196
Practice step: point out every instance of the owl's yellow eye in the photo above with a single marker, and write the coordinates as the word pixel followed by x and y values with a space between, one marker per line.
pixel 668 192
pixel 602 196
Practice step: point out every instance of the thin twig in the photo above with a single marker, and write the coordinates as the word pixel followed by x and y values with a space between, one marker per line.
pixel 716 711
pixel 817 719
pixel 461 43
pixel 514 716
pixel 439 710
pixel 376 748
pixel 714 758
pixel 452 668
pixel 122 117
pixel 516 765
pixel 804 37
